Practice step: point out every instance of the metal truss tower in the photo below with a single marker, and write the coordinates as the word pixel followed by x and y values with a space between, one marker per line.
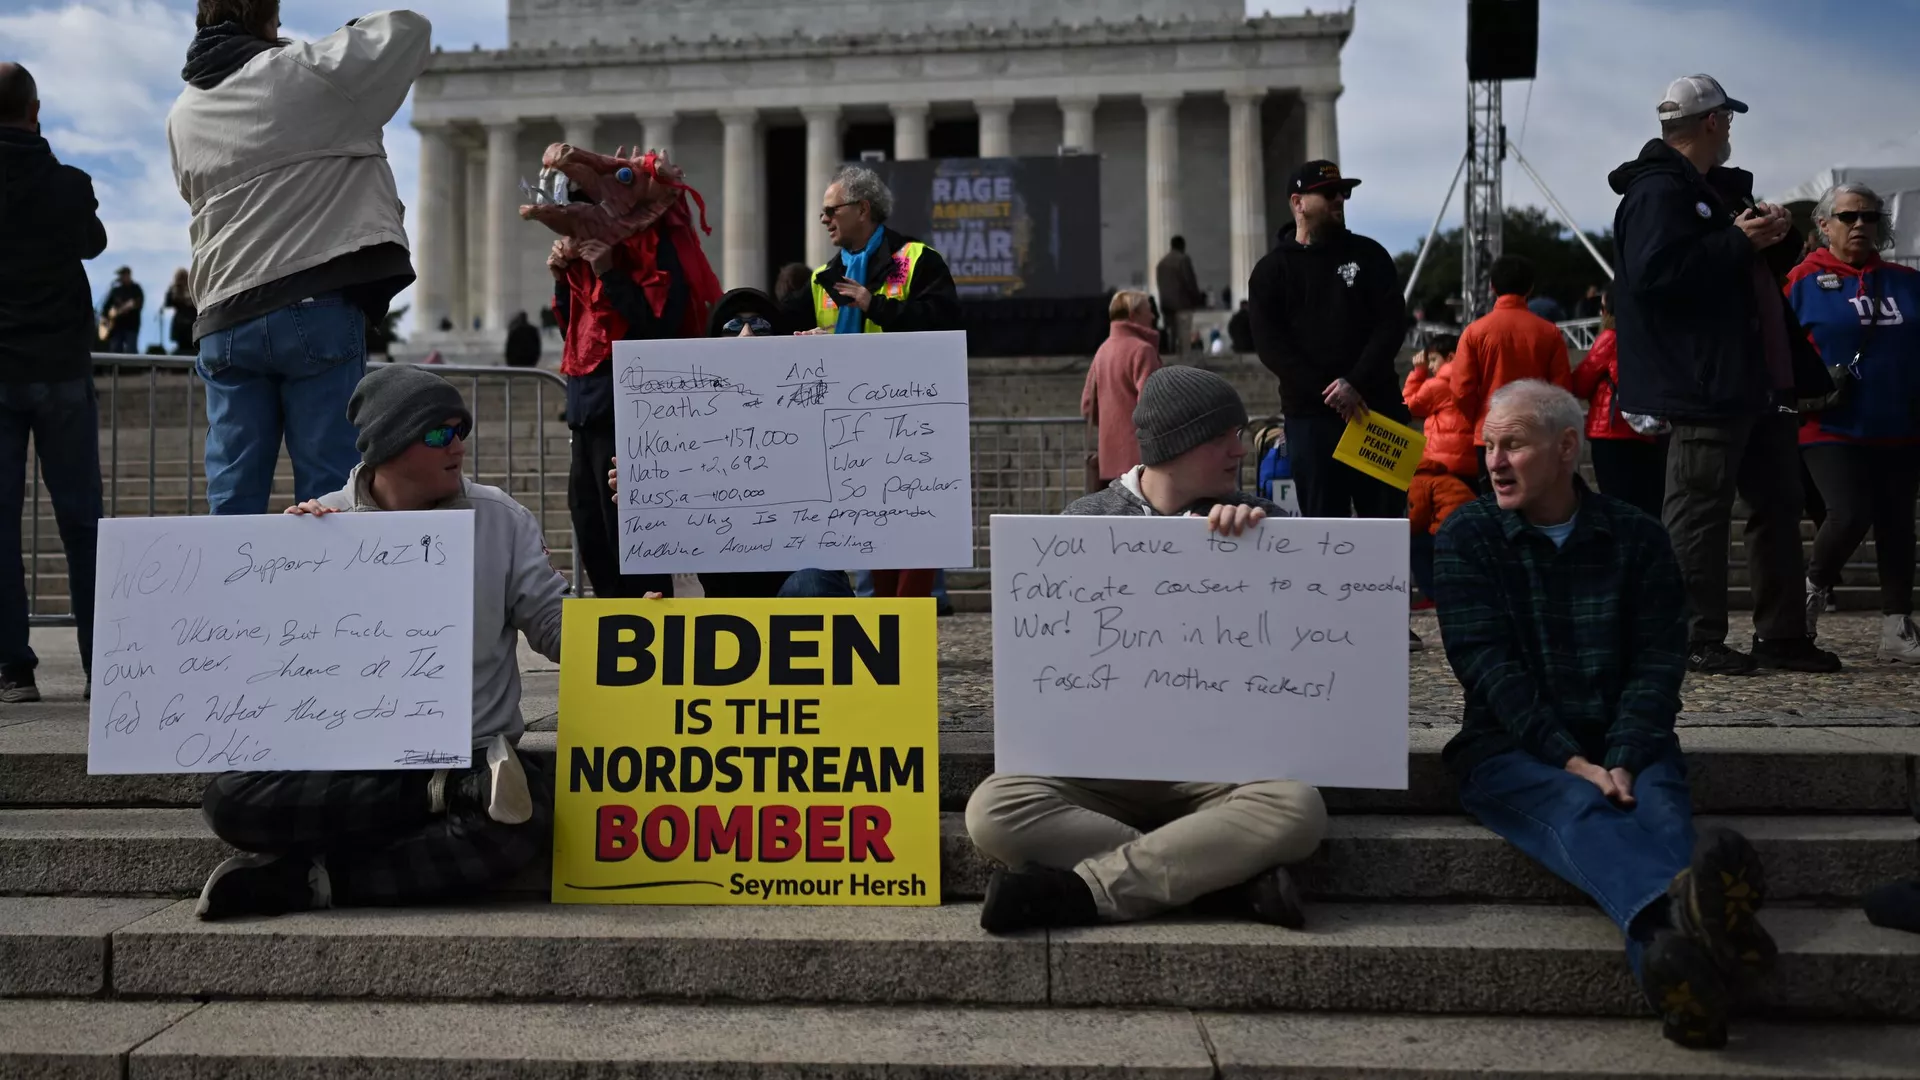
pixel 1485 208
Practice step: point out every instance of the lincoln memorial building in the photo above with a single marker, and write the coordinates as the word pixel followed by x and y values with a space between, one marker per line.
pixel 1197 114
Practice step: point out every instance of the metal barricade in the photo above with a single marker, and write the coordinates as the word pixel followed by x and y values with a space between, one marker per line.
pixel 153 461
pixel 1578 332
pixel 1030 465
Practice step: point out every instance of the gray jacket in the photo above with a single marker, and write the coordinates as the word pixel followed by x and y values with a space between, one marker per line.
pixel 515 590
pixel 283 164
pixel 1122 498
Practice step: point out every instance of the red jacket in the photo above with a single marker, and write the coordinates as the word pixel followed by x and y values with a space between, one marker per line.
pixel 1449 434
pixel 1433 497
pixel 1596 379
pixel 1119 369
pixel 1503 346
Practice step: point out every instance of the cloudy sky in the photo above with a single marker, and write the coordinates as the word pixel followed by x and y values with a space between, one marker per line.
pixel 1829 81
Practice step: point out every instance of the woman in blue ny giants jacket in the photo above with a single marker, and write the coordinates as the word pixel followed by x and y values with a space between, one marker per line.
pixel 1863 449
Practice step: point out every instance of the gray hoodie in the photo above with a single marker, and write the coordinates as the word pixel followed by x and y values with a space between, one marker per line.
pixel 1122 498
pixel 515 590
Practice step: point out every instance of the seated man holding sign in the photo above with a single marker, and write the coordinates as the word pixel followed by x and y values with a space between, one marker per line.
pixel 1089 850
pixel 1564 618
pixel 325 839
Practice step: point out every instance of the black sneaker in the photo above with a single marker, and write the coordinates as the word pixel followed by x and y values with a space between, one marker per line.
pixel 1035 897
pixel 1794 654
pixel 1269 897
pixel 1714 658
pixel 1716 901
pixel 1687 991
pixel 497 789
pixel 265 885
pixel 18 689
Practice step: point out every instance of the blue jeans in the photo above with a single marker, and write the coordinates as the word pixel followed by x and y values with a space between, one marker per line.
pixel 287 372
pixel 122 341
pixel 863 585
pixel 830 584
pixel 65 422
pixel 1623 859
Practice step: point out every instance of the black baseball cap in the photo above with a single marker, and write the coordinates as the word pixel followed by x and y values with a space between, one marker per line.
pixel 1319 176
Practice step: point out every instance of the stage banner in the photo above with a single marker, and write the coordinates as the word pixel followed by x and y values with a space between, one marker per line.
pixel 1008 227
pixel 748 752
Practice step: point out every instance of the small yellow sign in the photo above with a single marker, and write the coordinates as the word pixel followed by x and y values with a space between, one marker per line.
pixel 748 752
pixel 1381 448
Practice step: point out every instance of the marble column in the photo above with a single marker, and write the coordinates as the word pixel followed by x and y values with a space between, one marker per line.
pixel 1323 124
pixel 744 259
pixel 475 221
pixel 503 221
pixel 996 127
pixel 910 131
pixel 1076 122
pixel 581 131
pixel 1246 186
pixel 459 201
pixel 433 239
pixel 658 132
pixel 1163 187
pixel 823 157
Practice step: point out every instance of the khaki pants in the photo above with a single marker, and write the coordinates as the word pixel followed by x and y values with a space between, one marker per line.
pixel 1144 846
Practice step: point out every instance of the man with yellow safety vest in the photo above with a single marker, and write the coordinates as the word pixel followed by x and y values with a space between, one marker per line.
pixel 880 279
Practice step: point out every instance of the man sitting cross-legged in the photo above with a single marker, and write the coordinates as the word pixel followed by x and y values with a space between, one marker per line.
pixel 1564 618
pixel 1089 850
pixel 323 839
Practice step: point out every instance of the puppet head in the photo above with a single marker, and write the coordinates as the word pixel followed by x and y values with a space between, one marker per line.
pixel 589 196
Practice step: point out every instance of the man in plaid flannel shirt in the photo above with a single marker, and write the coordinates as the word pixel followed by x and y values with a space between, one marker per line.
pixel 1564 618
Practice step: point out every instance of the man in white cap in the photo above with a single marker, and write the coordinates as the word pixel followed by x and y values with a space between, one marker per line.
pixel 1707 344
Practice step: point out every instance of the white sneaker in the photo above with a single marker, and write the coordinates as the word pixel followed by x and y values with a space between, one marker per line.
pixel 1819 602
pixel 1899 639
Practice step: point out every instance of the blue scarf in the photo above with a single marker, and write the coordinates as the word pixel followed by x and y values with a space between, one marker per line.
pixel 854 264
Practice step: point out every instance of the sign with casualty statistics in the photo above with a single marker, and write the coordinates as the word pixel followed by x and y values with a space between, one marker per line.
pixel 748 752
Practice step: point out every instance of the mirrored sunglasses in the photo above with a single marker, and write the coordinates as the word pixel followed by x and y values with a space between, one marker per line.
pixel 760 326
pixel 441 437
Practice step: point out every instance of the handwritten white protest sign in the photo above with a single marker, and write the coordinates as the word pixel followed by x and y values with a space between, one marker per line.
pixel 1150 649
pixel 844 452
pixel 277 642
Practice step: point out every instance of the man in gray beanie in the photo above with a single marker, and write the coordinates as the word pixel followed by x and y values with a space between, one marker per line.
pixel 326 839
pixel 1081 851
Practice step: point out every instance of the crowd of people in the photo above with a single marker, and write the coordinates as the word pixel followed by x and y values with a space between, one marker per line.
pixel 1570 616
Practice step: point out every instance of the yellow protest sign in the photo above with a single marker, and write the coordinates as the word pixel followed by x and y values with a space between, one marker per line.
pixel 748 752
pixel 1381 448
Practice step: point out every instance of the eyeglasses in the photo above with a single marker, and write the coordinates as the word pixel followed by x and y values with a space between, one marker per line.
pixel 1851 217
pixel 827 212
pixel 442 437
pixel 758 325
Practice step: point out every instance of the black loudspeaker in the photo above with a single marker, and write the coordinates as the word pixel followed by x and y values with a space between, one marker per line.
pixel 1503 37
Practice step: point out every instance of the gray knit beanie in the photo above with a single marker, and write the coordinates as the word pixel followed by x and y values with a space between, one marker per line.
pixel 1182 407
pixel 396 404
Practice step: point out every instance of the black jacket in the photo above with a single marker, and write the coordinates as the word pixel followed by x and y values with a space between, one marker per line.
pixel 49 224
pixel 1684 302
pixel 1325 312
pixel 932 302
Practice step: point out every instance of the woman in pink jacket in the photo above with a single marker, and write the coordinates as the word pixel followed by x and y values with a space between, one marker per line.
pixel 1120 367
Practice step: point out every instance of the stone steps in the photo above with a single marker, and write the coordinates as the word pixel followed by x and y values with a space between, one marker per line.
pixel 168 852
pixel 353 1040
pixel 1418 958
pixel 1812 770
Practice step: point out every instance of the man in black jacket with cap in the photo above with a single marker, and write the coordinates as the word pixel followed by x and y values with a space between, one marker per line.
pixel 1328 319
pixel 49 224
pixel 1707 343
